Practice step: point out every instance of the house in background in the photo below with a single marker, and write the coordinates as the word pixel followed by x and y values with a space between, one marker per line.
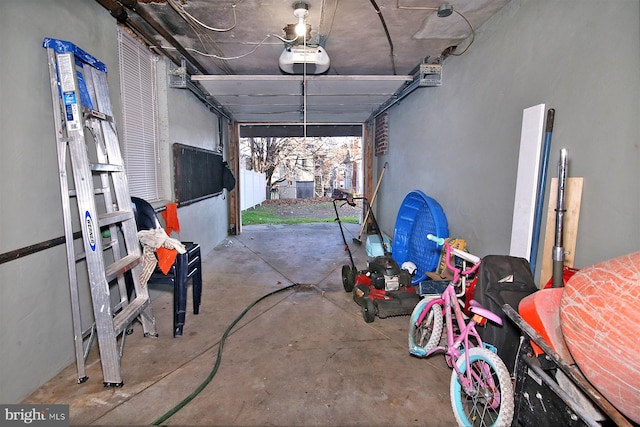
pixel 347 174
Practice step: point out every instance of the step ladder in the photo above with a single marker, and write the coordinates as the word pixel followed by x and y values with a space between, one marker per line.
pixel 94 182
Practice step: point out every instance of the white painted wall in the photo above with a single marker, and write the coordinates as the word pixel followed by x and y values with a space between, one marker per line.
pixel 36 332
pixel 459 143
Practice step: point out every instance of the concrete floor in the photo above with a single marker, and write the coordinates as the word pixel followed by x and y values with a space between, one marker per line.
pixel 302 357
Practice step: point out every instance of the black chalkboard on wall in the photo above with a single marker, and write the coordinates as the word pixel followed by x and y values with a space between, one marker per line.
pixel 197 173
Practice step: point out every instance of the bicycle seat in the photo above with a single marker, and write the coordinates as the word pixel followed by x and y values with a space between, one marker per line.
pixel 476 308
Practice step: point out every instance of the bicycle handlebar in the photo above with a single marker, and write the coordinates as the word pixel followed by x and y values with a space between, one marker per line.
pixel 457 252
pixel 438 240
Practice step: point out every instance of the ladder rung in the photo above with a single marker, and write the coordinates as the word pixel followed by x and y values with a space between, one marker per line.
pixel 88 331
pixel 107 245
pixel 130 312
pixel 111 218
pixel 120 266
pixel 116 308
pixel 106 167
pixel 80 256
pixel 74 193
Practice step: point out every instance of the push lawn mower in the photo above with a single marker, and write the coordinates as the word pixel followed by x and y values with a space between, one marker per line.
pixel 384 289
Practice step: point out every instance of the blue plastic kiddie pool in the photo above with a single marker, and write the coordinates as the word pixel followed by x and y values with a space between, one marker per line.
pixel 418 216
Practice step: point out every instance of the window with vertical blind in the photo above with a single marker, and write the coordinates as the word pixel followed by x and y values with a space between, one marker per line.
pixel 139 139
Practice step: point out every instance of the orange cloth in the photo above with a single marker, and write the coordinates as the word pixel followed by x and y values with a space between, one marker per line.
pixel 166 258
pixel 170 215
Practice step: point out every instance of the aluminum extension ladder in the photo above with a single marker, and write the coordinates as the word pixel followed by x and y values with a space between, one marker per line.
pixel 87 145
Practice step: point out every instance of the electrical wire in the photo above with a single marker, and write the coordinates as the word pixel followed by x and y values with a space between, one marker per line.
pixel 473 35
pixel 182 12
pixel 205 39
pixel 213 372
pixel 386 31
pixel 228 58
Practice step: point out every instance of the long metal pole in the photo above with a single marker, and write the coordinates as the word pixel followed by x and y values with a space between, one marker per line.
pixel 558 249
pixel 541 191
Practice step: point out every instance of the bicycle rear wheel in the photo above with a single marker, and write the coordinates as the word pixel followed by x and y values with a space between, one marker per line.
pixel 490 402
pixel 425 336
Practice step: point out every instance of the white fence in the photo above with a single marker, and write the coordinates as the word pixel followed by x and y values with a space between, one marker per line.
pixel 252 188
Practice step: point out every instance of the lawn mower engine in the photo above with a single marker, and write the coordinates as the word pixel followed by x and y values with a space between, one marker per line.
pixel 386 275
pixel 385 289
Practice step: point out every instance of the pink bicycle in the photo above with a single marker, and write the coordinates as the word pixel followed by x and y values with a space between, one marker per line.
pixel 481 391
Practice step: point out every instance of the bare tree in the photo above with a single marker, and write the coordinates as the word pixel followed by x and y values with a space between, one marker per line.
pixel 264 154
pixel 287 157
pixel 267 154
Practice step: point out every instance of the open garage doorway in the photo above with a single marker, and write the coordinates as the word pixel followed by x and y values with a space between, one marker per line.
pixel 279 164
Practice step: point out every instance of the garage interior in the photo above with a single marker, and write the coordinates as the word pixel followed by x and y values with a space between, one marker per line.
pixel 303 356
pixel 449 83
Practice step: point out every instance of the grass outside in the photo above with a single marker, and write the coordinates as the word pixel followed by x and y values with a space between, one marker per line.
pixel 294 213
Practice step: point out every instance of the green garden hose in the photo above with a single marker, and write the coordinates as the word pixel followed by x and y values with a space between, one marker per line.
pixel 213 372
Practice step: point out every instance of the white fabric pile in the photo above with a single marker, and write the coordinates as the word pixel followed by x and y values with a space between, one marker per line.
pixel 152 240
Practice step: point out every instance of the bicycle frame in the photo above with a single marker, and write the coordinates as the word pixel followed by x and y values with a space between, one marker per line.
pixel 458 343
pixel 480 389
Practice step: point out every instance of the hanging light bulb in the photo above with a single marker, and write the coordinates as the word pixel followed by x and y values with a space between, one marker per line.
pixel 297 50
pixel 300 11
pixel 301 27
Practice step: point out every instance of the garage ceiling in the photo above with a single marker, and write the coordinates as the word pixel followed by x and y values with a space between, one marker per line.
pixel 231 49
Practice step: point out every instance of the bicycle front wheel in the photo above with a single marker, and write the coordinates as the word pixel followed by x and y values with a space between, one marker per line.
pixel 489 402
pixel 425 336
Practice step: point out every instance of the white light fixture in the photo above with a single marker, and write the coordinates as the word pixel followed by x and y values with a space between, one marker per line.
pixel 298 54
pixel 300 11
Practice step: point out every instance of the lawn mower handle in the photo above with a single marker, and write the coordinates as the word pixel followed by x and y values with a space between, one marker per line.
pixel 349 201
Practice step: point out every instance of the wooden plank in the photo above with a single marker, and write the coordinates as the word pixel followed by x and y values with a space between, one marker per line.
pixel 235 210
pixel 573 196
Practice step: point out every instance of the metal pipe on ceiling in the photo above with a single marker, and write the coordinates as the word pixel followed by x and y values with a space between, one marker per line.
pixel 401 93
pixel 209 100
pixel 134 6
pixel 397 97
pixel 120 14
